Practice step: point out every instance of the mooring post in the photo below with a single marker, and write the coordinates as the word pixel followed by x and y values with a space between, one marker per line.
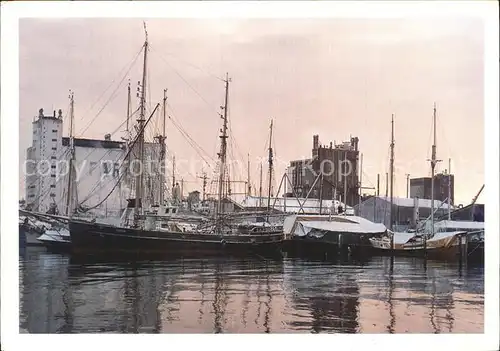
pixel 461 254
pixel 425 246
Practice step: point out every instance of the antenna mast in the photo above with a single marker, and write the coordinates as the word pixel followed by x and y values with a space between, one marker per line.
pixel 392 171
pixel 222 154
pixel 139 179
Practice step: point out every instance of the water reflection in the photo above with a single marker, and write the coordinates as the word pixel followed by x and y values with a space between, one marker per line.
pixel 59 294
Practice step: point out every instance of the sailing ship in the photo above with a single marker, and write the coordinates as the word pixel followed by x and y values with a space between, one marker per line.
pixel 147 233
pixel 448 245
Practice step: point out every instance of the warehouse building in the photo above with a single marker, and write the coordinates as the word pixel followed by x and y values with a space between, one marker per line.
pixel 378 209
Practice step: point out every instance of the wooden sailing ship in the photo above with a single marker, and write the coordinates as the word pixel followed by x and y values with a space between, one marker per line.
pixel 148 234
pixel 450 245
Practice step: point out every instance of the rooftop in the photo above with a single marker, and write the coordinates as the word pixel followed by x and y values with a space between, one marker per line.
pixel 409 202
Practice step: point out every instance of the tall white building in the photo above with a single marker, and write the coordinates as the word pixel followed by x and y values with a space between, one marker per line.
pixel 41 161
pixel 98 165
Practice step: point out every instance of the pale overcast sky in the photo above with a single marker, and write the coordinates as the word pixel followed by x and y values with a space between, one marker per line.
pixel 333 77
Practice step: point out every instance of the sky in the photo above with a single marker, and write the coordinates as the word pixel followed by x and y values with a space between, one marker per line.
pixel 333 77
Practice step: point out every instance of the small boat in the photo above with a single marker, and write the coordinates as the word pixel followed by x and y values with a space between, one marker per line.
pixel 442 245
pixel 475 235
pixel 56 238
pixel 29 231
pixel 322 233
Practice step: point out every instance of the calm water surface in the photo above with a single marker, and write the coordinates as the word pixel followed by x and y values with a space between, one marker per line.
pixel 59 294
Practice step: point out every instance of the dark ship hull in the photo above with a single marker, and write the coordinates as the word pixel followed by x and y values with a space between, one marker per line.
pixel 93 237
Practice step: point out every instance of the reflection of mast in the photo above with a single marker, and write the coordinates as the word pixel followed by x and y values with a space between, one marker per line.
pixel 135 299
pixel 218 300
pixel 267 314
pixel 432 313
pixel 392 320
pixel 246 302
pixel 202 291
pixel 259 305
pixel 67 298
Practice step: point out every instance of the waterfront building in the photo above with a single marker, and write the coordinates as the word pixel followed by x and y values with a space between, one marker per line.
pixel 98 163
pixel 339 164
pixel 378 209
pixel 421 187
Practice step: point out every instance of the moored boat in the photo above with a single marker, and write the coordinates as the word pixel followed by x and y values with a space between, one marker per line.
pixel 441 246
pixel 97 237
pixel 326 233
pixel 149 231
pixel 56 238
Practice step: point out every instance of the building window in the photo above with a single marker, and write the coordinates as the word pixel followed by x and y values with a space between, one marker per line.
pixel 54 148
pixel 53 175
pixel 54 140
pixel 53 166
pixel 54 130
pixel 105 168
pixel 53 157
pixel 53 186
pixel 52 195
pixel 31 195
pixel 116 170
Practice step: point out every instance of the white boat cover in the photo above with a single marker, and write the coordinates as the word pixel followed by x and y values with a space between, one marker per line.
pixel 316 225
pixel 59 235
pixel 402 238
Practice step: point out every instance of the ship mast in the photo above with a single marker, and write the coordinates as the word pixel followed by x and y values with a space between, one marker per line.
pixel 223 146
pixel 173 179
pixel 270 171
pixel 260 186
pixel 433 161
pixel 391 171
pixel 449 189
pixel 161 140
pixel 69 204
pixel 139 178
pixel 128 111
pixel 248 177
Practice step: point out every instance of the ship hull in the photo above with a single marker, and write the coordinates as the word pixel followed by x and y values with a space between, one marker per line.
pixel 28 236
pixel 355 244
pixel 92 237
pixel 456 249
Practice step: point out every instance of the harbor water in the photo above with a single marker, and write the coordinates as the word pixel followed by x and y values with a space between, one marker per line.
pixel 255 294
